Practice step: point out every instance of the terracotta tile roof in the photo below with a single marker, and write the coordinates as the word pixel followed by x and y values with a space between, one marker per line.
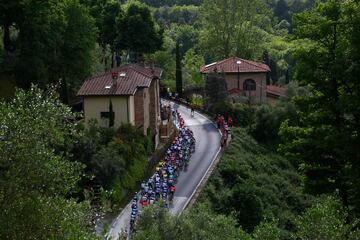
pixel 275 91
pixel 131 77
pixel 231 65
pixel 153 72
pixel 234 91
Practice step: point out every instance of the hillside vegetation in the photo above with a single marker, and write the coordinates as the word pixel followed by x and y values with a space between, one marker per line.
pixel 254 194
pixel 255 184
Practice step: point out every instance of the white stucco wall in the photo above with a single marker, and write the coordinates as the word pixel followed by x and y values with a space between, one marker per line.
pixel 122 107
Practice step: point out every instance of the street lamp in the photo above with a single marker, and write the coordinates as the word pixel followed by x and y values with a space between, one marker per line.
pixel 238 75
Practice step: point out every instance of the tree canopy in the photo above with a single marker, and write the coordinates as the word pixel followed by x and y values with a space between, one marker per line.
pixel 36 172
pixel 326 140
pixel 139 32
pixel 233 27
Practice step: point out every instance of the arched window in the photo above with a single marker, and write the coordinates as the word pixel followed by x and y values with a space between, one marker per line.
pixel 249 85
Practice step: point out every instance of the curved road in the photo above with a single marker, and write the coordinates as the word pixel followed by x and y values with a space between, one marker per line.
pixel 207 147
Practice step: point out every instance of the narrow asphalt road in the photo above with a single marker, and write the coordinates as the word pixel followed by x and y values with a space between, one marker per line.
pixel 207 147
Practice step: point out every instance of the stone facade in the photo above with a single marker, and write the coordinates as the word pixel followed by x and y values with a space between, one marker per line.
pixel 236 81
pixel 147 110
pixel 154 108
pixel 142 104
pixel 139 108
pixel 245 79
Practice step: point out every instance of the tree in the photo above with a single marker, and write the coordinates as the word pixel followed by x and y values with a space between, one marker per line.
pixel 39 42
pixel 325 219
pixel 215 89
pixel 282 10
pixel 10 13
pixel 139 32
pixel 56 38
pixel 274 72
pixel 166 61
pixel 116 159
pixel 324 140
pixel 108 15
pixel 232 27
pixel 37 132
pixel 197 223
pixel 110 32
pixel 266 60
pixel 287 77
pixel 268 119
pixel 192 63
pixel 179 84
pixel 77 48
pixel 267 231
pixel 109 165
pixel 254 184
pixel 352 11
pixel 179 14
pixel 187 35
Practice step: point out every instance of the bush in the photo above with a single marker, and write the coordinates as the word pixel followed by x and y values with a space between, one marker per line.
pixel 196 223
pixel 325 219
pixel 255 184
pixel 268 119
pixel 267 231
pixel 241 114
pixel 115 159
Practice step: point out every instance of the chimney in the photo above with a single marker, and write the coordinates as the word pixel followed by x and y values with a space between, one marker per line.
pixel 115 76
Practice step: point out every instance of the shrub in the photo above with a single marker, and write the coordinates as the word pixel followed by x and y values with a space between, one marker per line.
pixel 267 121
pixel 254 184
pixel 241 114
pixel 115 159
pixel 196 223
pixel 325 219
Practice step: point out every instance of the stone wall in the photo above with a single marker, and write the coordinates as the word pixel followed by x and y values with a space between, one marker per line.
pixel 235 80
pixel 139 108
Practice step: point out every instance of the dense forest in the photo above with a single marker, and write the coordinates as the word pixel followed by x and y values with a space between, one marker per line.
pixel 291 170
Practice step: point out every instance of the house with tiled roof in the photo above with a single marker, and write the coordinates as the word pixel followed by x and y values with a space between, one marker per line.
pixel 245 79
pixel 274 93
pixel 131 90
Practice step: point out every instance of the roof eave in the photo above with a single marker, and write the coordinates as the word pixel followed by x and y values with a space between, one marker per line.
pixel 104 95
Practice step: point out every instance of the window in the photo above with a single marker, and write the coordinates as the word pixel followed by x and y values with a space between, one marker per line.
pixel 106 114
pixel 249 85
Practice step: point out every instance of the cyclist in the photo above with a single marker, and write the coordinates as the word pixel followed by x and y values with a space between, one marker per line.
pixel 134 204
pixel 142 186
pixel 172 189
pixel 136 196
pixel 144 201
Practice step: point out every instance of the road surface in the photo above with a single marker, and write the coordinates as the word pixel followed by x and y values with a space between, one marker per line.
pixel 207 147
